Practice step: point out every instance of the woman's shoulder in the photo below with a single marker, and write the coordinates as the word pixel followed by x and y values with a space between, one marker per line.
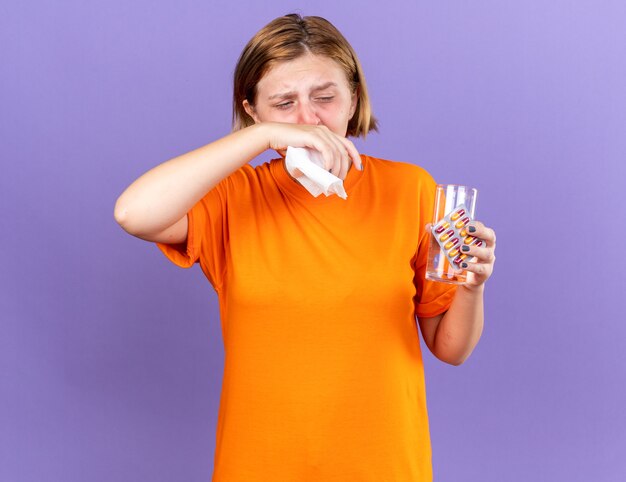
pixel 246 176
pixel 246 184
pixel 400 169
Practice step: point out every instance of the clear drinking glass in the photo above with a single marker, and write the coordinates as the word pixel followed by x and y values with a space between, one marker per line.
pixel 448 198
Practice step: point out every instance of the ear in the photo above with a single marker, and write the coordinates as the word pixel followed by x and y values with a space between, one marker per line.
pixel 354 102
pixel 250 111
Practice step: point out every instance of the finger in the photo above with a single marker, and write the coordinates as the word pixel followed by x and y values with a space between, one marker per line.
pixel 346 154
pixel 479 230
pixel 342 158
pixel 332 151
pixel 353 153
pixel 330 156
pixel 340 164
pixel 482 270
pixel 484 255
pixel 337 151
pixel 344 165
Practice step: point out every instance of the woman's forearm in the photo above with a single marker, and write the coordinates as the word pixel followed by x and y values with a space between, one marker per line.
pixel 460 328
pixel 163 195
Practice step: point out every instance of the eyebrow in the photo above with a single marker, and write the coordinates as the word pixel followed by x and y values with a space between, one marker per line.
pixel 283 95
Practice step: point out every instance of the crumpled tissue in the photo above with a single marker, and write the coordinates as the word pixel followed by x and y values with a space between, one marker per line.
pixel 315 178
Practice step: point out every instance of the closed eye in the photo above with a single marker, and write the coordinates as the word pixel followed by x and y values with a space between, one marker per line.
pixel 284 105
pixel 325 99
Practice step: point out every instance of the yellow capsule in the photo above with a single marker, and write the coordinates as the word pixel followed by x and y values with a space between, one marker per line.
pixel 443 227
pixel 451 243
pixel 454 252
pixel 469 239
pixel 446 235
pixel 460 258
pixel 463 232
pixel 462 222
pixel 457 214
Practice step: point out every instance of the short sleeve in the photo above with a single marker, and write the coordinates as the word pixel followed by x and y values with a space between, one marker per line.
pixel 206 237
pixel 432 298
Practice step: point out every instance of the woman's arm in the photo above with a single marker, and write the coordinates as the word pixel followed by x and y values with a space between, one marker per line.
pixel 453 335
pixel 154 207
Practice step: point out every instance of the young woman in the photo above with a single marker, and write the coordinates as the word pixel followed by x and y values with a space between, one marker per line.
pixel 323 376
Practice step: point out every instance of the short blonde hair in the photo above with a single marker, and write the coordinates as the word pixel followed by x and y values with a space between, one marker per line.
pixel 287 38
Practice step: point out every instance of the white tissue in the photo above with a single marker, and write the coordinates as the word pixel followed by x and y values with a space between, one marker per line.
pixel 315 178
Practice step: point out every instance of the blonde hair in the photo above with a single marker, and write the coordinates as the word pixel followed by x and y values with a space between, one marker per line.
pixel 287 38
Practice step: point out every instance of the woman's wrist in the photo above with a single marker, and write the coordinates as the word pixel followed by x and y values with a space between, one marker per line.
pixel 260 135
pixel 473 289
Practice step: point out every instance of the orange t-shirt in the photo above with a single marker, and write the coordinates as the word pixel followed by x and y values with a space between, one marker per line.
pixel 323 375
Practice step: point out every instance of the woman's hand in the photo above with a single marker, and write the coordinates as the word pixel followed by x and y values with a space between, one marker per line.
pixel 481 267
pixel 337 151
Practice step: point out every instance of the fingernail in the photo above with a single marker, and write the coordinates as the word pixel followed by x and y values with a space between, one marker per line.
pixel 471 229
pixel 465 248
pixel 463 265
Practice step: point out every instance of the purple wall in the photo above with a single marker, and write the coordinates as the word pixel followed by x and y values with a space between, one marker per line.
pixel 111 358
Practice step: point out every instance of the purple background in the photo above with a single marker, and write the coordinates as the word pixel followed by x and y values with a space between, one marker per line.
pixel 111 357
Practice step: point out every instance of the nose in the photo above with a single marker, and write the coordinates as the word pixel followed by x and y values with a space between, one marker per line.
pixel 307 114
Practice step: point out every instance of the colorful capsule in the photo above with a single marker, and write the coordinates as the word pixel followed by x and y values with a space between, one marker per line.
pixel 451 243
pixel 457 214
pixel 478 243
pixel 463 232
pixel 462 222
pixel 469 239
pixel 459 258
pixel 443 227
pixel 454 252
pixel 446 235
